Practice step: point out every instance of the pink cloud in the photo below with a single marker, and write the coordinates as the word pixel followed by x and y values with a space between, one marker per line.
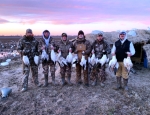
pixel 3 21
pixel 74 11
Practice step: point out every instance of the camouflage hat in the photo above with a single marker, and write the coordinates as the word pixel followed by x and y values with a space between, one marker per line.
pixel 29 31
pixel 64 34
pixel 100 34
pixel 80 32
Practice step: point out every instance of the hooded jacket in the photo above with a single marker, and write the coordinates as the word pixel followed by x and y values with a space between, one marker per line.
pixel 46 44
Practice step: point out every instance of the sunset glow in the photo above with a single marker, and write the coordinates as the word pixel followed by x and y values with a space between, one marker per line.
pixel 70 16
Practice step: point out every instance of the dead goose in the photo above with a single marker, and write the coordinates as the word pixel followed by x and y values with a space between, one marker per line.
pixel 83 61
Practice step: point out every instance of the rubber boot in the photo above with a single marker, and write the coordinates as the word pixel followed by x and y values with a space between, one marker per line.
pixel 102 84
pixel 118 86
pixel 25 84
pixel 95 81
pixel 125 81
pixel 63 81
pixel 53 79
pixel 46 80
pixel 23 89
pixel 68 80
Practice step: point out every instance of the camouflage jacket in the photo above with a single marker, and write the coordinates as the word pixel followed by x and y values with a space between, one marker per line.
pixel 28 47
pixel 64 47
pixel 85 42
pixel 99 46
pixel 42 45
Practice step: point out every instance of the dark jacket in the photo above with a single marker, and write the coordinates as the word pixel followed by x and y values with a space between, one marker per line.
pixel 64 47
pixel 85 42
pixel 121 50
pixel 28 46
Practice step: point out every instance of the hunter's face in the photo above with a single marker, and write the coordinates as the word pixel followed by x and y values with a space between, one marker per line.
pixel 29 34
pixel 64 38
pixel 81 35
pixel 46 34
pixel 99 38
pixel 122 36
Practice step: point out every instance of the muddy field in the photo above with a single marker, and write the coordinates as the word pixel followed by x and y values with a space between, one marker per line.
pixel 74 100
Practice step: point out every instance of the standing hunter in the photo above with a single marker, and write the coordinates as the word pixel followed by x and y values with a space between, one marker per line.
pixel 65 46
pixel 45 49
pixel 122 48
pixel 80 45
pixel 98 46
pixel 28 49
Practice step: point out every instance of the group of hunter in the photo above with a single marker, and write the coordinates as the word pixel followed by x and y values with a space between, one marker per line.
pixel 30 47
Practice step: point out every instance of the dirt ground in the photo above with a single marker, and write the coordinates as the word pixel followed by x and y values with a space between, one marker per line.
pixel 74 100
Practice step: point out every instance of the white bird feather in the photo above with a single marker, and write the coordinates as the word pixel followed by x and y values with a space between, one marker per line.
pixel 113 62
pixel 128 63
pixel 83 61
pixel 44 55
pixel 36 60
pixel 75 58
pixel 92 60
pixel 26 60
pixel 53 55
pixel 69 56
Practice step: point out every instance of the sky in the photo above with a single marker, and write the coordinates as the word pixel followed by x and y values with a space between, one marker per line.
pixel 70 16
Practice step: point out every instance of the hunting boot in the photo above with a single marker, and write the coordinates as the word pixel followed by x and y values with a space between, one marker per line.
pixel 102 81
pixel 46 80
pixel 86 80
pixel 118 86
pixel 53 79
pixel 125 84
pixel 63 79
pixel 25 84
pixel 68 80
pixel 95 81
pixel 78 74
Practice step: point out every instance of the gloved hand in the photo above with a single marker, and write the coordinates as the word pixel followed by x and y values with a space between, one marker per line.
pixel 25 52
pixel 83 52
pixel 26 60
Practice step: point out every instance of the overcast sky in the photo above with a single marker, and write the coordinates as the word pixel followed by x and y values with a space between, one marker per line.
pixel 70 16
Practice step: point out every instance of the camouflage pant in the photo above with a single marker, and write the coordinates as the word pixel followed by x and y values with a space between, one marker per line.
pixel 26 72
pixel 78 74
pixel 46 66
pixel 65 70
pixel 98 73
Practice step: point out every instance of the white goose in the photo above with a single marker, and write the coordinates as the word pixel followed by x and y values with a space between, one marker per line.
pixel 104 58
pixel 53 56
pixel 128 63
pixel 75 59
pixel 36 59
pixel 44 55
pixel 62 61
pixel 69 56
pixel 83 61
pixel 93 59
pixel 25 60
pixel 112 63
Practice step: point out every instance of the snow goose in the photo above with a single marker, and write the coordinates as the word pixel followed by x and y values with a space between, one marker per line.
pixel 83 61
pixel 52 55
